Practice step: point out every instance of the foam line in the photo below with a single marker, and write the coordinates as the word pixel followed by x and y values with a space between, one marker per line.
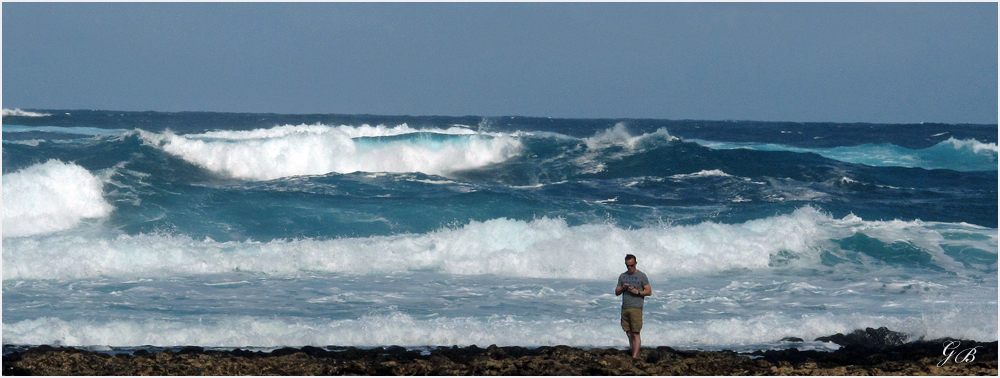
pixel 396 328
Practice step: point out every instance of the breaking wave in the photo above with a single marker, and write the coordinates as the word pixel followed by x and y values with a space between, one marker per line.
pixel 287 151
pixel 49 197
pixel 511 248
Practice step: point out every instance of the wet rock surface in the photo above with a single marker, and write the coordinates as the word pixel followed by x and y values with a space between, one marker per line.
pixel 854 358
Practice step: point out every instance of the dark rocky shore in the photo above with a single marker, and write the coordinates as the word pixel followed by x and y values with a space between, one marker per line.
pixel 863 352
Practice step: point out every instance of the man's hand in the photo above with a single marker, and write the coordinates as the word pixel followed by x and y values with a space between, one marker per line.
pixel 621 289
pixel 629 288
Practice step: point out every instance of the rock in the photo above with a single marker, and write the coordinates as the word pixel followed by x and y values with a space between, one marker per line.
pixel 868 338
pixel 916 358
pixel 315 352
pixel 495 352
pixel 192 350
pixel 243 353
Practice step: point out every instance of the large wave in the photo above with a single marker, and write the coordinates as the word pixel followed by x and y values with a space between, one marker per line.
pixel 287 151
pixel 51 196
pixel 543 247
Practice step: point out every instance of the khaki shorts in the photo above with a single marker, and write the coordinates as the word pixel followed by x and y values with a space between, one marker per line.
pixel 632 319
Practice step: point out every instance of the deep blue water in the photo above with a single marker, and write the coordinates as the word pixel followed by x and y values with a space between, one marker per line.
pixel 234 230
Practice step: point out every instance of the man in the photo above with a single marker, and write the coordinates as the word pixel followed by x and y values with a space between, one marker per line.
pixel 635 286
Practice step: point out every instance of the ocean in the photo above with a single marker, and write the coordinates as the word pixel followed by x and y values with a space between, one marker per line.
pixel 233 230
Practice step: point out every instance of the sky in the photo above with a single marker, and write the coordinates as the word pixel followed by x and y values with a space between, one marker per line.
pixel 800 62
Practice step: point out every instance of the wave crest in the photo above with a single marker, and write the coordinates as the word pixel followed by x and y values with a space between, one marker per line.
pixel 51 196
pixel 620 136
pixel 287 151
pixel 972 144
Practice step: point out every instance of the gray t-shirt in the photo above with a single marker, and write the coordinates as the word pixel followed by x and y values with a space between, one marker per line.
pixel 639 281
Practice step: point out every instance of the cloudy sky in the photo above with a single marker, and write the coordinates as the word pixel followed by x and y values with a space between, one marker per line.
pixel 845 62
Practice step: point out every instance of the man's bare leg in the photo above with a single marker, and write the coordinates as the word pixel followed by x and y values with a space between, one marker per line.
pixel 635 342
pixel 630 340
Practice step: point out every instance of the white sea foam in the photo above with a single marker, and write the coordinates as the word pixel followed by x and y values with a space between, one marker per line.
pixel 50 197
pixel 540 248
pixel 29 142
pixel 22 113
pixel 396 328
pixel 620 136
pixel 973 145
pixel 708 173
pixel 287 151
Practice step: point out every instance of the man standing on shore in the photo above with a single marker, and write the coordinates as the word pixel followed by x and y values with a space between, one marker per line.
pixel 635 286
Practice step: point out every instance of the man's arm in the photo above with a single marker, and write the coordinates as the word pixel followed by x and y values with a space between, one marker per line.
pixel 646 291
pixel 619 289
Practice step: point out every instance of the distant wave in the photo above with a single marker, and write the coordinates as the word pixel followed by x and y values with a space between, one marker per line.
pixel 51 196
pixel 22 113
pixel 286 151
pixel 540 248
pixel 959 155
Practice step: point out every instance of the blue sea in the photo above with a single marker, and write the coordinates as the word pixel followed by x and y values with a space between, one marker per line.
pixel 236 230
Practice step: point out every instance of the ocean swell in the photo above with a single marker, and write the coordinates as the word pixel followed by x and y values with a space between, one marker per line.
pixel 967 155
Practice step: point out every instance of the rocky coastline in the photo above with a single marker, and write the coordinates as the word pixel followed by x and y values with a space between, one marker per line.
pixel 863 352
